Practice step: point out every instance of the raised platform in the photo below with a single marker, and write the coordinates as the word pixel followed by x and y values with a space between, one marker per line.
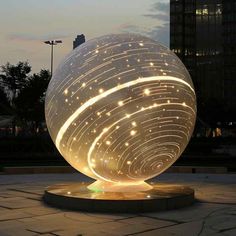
pixel 76 196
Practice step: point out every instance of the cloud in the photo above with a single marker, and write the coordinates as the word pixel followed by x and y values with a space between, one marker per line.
pixel 161 34
pixel 129 28
pixel 160 11
pixel 34 38
pixel 161 7
pixel 162 17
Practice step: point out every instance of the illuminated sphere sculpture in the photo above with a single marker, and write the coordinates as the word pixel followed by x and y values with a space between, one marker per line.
pixel 121 109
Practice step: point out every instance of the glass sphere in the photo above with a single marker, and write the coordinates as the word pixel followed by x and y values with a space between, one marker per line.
pixel 121 108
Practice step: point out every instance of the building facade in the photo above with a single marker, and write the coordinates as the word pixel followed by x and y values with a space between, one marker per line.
pixel 203 35
pixel 80 39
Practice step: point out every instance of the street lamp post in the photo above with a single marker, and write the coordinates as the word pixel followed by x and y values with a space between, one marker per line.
pixel 52 43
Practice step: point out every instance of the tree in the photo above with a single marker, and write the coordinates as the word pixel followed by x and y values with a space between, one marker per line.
pixel 5 107
pixel 30 100
pixel 14 77
pixel 23 94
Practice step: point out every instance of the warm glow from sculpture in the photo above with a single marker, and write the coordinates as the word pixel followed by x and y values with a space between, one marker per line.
pixel 121 109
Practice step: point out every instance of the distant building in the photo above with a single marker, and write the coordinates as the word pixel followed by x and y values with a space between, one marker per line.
pixel 203 35
pixel 80 39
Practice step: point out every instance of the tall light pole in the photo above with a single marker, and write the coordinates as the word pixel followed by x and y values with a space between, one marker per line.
pixel 52 43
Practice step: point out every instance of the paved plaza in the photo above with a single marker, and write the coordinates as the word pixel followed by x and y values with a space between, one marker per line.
pixel 22 211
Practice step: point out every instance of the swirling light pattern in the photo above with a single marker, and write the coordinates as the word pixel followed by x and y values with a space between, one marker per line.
pixel 121 109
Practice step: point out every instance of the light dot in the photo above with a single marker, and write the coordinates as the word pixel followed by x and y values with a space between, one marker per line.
pixel 146 91
pixel 74 138
pixel 168 101
pixel 108 142
pixel 184 104
pixel 120 103
pixel 166 64
pixel 141 44
pixel 108 114
pixel 134 123
pixel 66 100
pixel 117 127
pixel 98 113
pixel 129 162
pixel 151 64
pixel 84 84
pixel 66 91
pixel 127 115
pixel 126 144
pixel 133 132
pixel 101 90
pixel 69 193
pixel 148 196
pixel 97 51
pixel 138 60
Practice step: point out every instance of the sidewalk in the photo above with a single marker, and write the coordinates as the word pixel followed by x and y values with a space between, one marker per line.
pixel 22 211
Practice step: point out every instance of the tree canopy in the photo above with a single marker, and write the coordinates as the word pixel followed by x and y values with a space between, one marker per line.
pixel 22 94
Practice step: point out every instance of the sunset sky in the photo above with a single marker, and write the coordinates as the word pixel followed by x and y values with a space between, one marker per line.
pixel 25 24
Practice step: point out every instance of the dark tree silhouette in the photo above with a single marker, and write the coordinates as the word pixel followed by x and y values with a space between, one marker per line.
pixel 5 107
pixel 14 77
pixel 30 100
pixel 22 95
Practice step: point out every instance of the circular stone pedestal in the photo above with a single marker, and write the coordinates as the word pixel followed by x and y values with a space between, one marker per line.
pixel 76 196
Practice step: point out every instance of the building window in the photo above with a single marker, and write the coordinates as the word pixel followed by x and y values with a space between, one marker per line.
pixel 205 11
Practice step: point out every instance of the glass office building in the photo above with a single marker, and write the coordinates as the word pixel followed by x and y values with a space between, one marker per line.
pixel 203 35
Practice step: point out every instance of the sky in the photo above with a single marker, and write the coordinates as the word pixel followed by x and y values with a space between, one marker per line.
pixel 25 24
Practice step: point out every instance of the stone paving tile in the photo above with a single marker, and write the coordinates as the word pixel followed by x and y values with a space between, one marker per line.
pixel 188 229
pixel 193 213
pixel 60 221
pixel 22 211
pixel 40 210
pixel 222 221
pixel 2 233
pixel 10 224
pixel 122 228
pixel 17 232
pixel 84 232
pixel 27 220
pixel 24 194
pixel 230 232
pixel 18 202
pixel 146 220
pixel 211 193
pixel 13 214
pixel 43 227
pixel 94 218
